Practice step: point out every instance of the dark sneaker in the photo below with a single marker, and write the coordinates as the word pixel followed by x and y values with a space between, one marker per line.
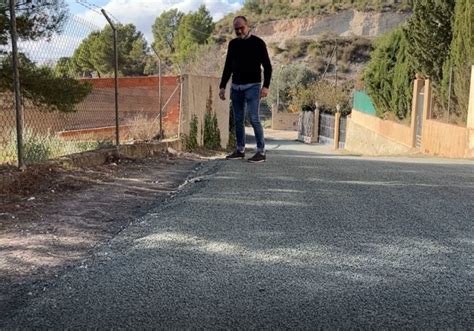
pixel 235 156
pixel 258 157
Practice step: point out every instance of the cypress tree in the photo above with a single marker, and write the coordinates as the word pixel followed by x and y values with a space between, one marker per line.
pixel 429 35
pixel 389 75
pixel 461 58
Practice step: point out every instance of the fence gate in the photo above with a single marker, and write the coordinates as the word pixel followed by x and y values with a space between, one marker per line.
pixel 306 127
pixel 342 132
pixel 326 128
pixel 419 117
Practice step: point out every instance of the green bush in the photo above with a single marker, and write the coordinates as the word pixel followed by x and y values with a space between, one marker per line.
pixel 191 140
pixel 43 87
pixel 286 79
pixel 232 144
pixel 314 49
pixel 280 9
pixel 325 94
pixel 297 47
pixel 211 134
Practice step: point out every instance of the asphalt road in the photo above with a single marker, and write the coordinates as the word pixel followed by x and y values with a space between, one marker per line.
pixel 306 240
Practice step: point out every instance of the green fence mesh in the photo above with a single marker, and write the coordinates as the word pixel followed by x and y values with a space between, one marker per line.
pixel 363 103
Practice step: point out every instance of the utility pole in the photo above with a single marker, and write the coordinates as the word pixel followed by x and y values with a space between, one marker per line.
pixel 336 62
pixel 16 79
pixel 117 122
pixel 159 92
pixel 278 88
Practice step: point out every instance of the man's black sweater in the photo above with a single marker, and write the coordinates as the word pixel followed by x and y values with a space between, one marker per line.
pixel 244 60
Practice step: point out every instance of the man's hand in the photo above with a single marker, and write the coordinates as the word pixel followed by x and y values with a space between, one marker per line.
pixel 264 92
pixel 222 93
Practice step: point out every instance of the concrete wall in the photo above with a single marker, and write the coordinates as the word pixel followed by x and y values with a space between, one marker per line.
pixel 197 91
pixel 370 135
pixel 391 130
pixel 363 140
pixel 284 120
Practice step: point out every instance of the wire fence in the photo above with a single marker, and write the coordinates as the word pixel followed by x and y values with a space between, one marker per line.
pixel 68 107
pixel 450 100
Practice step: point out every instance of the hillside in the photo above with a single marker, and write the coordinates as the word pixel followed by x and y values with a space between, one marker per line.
pixel 343 23
pixel 309 40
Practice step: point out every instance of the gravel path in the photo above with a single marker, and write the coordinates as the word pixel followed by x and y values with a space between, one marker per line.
pixel 306 240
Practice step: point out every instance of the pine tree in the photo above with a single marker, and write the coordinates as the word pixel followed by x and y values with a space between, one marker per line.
pixel 35 19
pixel 165 30
pixel 194 29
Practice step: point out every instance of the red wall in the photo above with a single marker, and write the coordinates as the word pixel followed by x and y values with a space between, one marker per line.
pixel 137 96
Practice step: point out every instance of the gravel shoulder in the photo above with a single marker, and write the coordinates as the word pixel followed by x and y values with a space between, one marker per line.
pixel 53 219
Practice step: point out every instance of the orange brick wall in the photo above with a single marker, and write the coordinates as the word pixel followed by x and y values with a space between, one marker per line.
pixel 138 96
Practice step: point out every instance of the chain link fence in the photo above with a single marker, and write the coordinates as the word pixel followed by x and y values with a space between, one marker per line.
pixel 67 108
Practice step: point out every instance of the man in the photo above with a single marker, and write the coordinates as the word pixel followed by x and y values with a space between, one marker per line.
pixel 246 55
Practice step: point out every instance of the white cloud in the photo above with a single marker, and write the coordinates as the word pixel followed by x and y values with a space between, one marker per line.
pixel 49 51
pixel 142 13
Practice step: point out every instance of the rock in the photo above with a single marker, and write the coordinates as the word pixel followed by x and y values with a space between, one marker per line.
pixel 172 151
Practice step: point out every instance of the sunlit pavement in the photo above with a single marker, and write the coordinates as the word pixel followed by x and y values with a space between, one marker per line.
pixel 309 239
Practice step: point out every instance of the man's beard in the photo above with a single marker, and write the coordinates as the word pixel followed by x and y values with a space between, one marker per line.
pixel 243 35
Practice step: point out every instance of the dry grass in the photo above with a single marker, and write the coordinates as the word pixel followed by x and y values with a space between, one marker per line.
pixel 142 127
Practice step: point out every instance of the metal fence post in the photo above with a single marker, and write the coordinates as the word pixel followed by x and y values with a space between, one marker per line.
pixel 160 98
pixel 16 87
pixel 117 121
pixel 180 118
pixel 159 92
pixel 337 125
pixel 449 91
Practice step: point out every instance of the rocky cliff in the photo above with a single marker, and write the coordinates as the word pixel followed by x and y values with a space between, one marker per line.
pixel 344 23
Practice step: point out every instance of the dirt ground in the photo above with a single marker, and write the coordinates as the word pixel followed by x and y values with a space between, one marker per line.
pixel 52 218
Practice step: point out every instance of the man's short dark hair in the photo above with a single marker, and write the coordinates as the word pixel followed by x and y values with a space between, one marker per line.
pixel 242 18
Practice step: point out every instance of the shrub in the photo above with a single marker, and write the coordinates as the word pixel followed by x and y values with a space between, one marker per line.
pixel 142 128
pixel 319 64
pixel 325 94
pixel 297 47
pixel 191 140
pixel 232 144
pixel 287 79
pixel 211 133
pixel 39 147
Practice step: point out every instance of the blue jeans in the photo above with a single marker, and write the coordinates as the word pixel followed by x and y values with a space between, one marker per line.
pixel 247 99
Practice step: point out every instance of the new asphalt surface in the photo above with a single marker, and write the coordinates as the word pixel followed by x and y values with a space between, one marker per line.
pixel 306 240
